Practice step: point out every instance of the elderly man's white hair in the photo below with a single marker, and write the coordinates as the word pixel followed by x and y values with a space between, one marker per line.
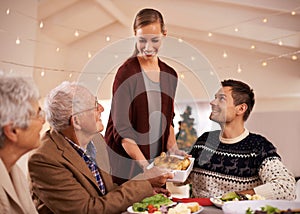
pixel 63 101
pixel 16 93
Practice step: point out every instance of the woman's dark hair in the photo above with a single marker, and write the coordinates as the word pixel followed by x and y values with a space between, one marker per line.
pixel 241 93
pixel 146 17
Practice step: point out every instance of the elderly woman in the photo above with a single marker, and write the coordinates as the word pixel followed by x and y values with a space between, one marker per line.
pixel 70 171
pixel 21 121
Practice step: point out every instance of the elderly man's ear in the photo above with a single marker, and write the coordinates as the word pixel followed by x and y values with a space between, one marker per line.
pixel 75 122
pixel 10 133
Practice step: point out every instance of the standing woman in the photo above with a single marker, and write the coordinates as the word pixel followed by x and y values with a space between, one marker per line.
pixel 140 124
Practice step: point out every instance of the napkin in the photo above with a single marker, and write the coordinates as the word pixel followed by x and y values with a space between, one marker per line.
pixel 201 201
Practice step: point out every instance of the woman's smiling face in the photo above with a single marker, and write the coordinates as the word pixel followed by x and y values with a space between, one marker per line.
pixel 149 40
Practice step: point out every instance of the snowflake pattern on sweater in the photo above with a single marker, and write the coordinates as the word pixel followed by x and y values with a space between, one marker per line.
pixel 251 163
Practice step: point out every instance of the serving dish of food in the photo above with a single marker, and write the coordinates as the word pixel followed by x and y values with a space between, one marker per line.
pixel 160 204
pixel 261 207
pixel 179 165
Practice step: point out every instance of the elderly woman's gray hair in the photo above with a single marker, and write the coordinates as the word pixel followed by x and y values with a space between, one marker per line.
pixel 16 95
pixel 64 101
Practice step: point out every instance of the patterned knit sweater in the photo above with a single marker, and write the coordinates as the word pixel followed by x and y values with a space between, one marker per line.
pixel 250 163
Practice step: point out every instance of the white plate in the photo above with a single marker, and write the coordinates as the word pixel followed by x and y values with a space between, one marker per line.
pixel 179 175
pixel 240 207
pixel 130 210
pixel 217 201
pixel 199 211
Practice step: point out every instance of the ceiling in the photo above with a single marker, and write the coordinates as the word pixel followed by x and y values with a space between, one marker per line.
pixel 212 26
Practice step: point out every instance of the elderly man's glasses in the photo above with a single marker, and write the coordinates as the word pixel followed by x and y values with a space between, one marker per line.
pixel 97 104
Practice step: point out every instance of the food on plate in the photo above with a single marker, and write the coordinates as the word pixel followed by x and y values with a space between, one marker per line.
pixel 271 210
pixel 184 208
pixel 172 162
pixel 235 196
pixel 193 206
pixel 152 203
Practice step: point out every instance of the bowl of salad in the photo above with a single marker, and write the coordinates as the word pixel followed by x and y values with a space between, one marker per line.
pixel 261 207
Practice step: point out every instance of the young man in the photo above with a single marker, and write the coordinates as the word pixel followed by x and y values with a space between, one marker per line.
pixel 234 159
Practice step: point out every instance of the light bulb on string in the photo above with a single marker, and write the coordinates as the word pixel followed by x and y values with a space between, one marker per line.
pixel 70 75
pixel 264 63
pixel 89 55
pixel 76 33
pixel 239 69
pixel 294 57
pixel 18 41
pixel 209 34
pixel 57 49
pixel 7 11
pixel 236 29
pixel 180 40
pixel 182 76
pixel 107 38
pixel 225 55
pixel 252 47
pixel 41 24
pixel 293 13
pixel 265 20
pixel 280 43
pixel 42 73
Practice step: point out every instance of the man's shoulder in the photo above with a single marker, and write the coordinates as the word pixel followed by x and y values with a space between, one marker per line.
pixel 258 138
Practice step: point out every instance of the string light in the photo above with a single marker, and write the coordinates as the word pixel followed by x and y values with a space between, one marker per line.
pixel 294 57
pixel 89 55
pixel 264 63
pixel 18 41
pixel 42 73
pixel 239 69
pixel 182 76
pixel 70 75
pixel 193 58
pixel 180 40
pixel 76 33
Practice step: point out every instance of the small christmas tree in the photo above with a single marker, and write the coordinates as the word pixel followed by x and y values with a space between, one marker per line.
pixel 187 134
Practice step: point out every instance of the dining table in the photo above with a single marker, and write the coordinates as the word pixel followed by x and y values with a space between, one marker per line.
pixel 206 210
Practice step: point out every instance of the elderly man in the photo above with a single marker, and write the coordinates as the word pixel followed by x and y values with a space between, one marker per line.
pixel 21 120
pixel 234 159
pixel 70 171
